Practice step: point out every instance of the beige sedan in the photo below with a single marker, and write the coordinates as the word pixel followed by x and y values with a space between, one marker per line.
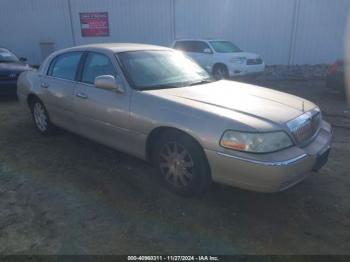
pixel 157 104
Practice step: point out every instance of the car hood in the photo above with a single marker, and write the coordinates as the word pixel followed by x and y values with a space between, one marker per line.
pixel 14 67
pixel 250 100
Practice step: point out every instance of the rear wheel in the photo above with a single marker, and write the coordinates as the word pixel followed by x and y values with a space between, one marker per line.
pixel 220 72
pixel 182 164
pixel 41 118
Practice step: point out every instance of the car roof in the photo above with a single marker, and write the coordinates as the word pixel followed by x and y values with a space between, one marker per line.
pixel 109 47
pixel 116 47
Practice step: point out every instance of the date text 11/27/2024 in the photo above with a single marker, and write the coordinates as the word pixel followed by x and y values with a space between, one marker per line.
pixel 173 258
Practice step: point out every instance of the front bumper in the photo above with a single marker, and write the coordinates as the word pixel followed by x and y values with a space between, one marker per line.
pixel 271 172
pixel 241 70
pixel 8 87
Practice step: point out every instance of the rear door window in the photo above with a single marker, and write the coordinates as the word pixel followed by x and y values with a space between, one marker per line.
pixel 191 46
pixel 65 66
pixel 182 46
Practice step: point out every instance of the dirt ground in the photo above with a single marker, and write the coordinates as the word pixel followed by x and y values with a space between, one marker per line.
pixel 68 195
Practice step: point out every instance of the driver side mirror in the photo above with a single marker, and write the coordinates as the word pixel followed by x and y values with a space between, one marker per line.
pixel 109 82
pixel 23 59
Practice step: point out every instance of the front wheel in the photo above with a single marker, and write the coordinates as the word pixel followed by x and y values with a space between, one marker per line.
pixel 220 72
pixel 41 118
pixel 182 164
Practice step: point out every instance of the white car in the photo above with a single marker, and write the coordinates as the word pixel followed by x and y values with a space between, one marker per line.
pixel 220 57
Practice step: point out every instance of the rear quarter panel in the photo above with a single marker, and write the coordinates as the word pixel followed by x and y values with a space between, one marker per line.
pixel 27 84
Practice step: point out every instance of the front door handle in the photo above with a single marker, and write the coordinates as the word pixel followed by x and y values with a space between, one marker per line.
pixel 82 95
pixel 44 85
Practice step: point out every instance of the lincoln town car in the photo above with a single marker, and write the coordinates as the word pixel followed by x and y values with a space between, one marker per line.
pixel 159 105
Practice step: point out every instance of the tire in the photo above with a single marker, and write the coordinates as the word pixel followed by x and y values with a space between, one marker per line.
pixel 181 164
pixel 220 72
pixel 41 118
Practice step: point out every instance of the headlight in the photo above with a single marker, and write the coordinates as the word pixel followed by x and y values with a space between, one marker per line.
pixel 238 60
pixel 255 142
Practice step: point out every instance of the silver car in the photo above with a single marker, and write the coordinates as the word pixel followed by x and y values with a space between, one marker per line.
pixel 155 103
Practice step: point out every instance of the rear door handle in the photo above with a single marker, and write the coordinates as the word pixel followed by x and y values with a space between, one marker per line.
pixel 44 85
pixel 82 95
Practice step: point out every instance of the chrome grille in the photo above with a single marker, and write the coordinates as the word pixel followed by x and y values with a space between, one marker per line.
pixel 305 127
pixel 8 76
pixel 257 61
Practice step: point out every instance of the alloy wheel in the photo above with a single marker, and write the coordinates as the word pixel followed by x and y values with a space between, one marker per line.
pixel 220 73
pixel 176 164
pixel 40 117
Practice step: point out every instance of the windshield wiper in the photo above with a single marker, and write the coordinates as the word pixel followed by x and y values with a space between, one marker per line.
pixel 206 81
pixel 178 85
pixel 160 87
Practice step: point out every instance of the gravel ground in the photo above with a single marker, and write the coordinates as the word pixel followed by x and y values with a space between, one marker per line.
pixel 68 195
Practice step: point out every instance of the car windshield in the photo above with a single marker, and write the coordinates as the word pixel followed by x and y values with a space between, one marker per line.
pixel 6 56
pixel 225 47
pixel 161 69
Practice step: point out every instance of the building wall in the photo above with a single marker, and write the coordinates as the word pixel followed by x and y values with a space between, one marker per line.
pixel 24 24
pixel 129 20
pixel 282 31
pixel 320 31
pixel 259 26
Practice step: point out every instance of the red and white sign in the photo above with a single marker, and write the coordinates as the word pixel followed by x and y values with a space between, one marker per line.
pixel 94 24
